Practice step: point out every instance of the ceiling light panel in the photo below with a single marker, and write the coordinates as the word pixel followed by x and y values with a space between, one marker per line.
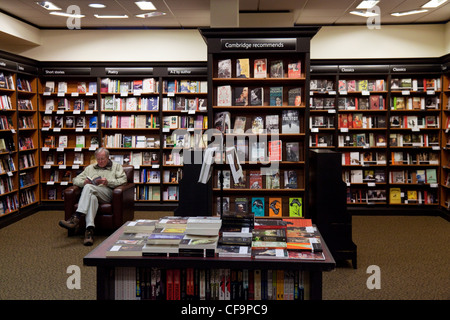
pixel 145 5
pixel 434 3
pixel 367 4
pixel 48 5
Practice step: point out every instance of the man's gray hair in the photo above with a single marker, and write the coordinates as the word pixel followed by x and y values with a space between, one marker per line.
pixel 100 150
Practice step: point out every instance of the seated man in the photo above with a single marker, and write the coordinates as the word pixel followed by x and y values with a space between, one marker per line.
pixel 98 181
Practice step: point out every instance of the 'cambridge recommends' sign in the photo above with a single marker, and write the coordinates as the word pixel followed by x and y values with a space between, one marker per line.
pixel 285 44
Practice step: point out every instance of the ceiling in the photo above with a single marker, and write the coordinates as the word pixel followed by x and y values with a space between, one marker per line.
pixel 196 13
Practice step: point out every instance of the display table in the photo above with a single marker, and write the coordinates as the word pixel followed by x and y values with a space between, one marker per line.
pixel 106 265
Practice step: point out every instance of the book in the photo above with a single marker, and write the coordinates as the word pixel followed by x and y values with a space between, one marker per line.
pixel 276 96
pixel 240 96
pixel 294 69
pixel 277 253
pixel 203 226
pixel 239 124
pixel 295 207
pixel 275 148
pixel 256 96
pixel 292 151
pixel 295 97
pixel 260 68
pixel 140 225
pixel 275 207
pixel 290 121
pixel 224 68
pixel 272 124
pixel 94 180
pixel 276 69
pixel 224 96
pixel 126 248
pixel 243 68
pixel 258 207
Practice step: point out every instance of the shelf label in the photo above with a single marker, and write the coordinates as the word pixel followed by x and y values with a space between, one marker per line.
pixel 9 173
pixel 76 111
pixel 78 149
pixel 60 112
pixel 47 166
pixel 56 129
pixel 332 93
pixel 48 111
pixel 365 93
pixel 287 44
pixel 315 130
pixel 59 149
pixel 406 92
pixel 371 184
pixel 344 129
pixel 64 183
pixel 343 92
pixel 89 111
pixel 61 94
pixel 50 183
pixel 45 149
pixel 75 166
pixel 74 94
pixel 78 129
pixel 92 148
pixel 62 166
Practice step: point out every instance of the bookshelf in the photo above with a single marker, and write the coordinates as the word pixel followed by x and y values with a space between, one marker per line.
pixel 28 133
pixel 184 122
pixel 68 122
pixel 130 125
pixel 445 140
pixel 362 131
pixel 415 92
pixel 9 170
pixel 259 82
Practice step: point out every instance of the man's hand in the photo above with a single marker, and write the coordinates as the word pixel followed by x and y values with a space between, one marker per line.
pixel 102 181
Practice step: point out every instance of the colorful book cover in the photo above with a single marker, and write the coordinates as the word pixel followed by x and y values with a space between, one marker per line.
pixel 295 207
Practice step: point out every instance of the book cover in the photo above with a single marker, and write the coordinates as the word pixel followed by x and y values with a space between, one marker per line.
pixel 277 69
pixel 276 96
pixel 258 124
pixel 241 205
pixel 243 68
pixel 272 124
pixel 258 207
pixel 239 124
pixel 294 69
pixel 290 179
pixel 292 151
pixel 224 96
pixel 260 68
pixel 255 180
pixel 257 96
pixel 295 97
pixel 224 68
pixel 275 207
pixel 275 150
pixel 241 96
pixel 295 207
pixel 290 121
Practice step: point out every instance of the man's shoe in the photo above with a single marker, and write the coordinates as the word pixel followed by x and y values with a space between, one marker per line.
pixel 89 237
pixel 71 224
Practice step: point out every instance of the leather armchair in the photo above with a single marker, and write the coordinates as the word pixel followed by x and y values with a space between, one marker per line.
pixel 110 216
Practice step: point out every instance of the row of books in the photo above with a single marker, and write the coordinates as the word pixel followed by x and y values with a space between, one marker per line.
pixel 64 104
pixel 364 176
pixel 414 103
pixel 25 104
pixel 259 96
pixel 321 122
pixel 9 204
pixel 356 158
pixel 181 103
pixel 26 160
pixel 146 85
pixel 147 193
pixel 57 175
pixel 63 87
pixel 26 122
pixel 6 122
pixel 414 176
pixel 5 103
pixel 25 143
pixel 260 179
pixel 187 284
pixel 7 164
pixel 154 176
pixel 185 122
pixel 6 81
pixel 419 84
pixel 193 140
pixel 7 144
pixel 6 184
pixel 59 121
pixel 364 140
pixel 411 196
pixel 27 197
pixel 352 85
pixel 414 122
pixel 26 179
pixel 260 206
pixel 414 158
pixel 270 124
pixel 374 102
pixel 114 103
pixel 360 121
pixel 413 140
pixel 185 86
pixel 317 140
pixel 262 68
pixel 120 140
pixel 139 121
pixel 24 85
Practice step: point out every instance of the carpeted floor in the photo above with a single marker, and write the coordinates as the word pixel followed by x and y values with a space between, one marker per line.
pixel 412 253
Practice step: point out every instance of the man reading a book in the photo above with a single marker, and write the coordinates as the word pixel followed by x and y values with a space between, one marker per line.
pixel 98 181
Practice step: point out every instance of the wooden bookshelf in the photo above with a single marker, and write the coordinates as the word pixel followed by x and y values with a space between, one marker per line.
pixel 444 181
pixel 260 83
pixel 68 122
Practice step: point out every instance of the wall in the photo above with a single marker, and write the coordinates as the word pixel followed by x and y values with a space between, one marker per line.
pixel 331 42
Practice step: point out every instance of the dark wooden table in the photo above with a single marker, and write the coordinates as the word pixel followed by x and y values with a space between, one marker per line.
pixel 105 266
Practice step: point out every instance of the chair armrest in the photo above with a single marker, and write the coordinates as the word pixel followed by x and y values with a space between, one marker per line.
pixel 123 203
pixel 71 196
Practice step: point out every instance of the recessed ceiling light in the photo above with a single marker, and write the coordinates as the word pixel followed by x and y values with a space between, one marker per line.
pixel 65 14
pixel 405 13
pixel 110 16
pixel 97 5
pixel 367 4
pixel 151 14
pixel 48 5
pixel 145 5
pixel 434 3
pixel 365 14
